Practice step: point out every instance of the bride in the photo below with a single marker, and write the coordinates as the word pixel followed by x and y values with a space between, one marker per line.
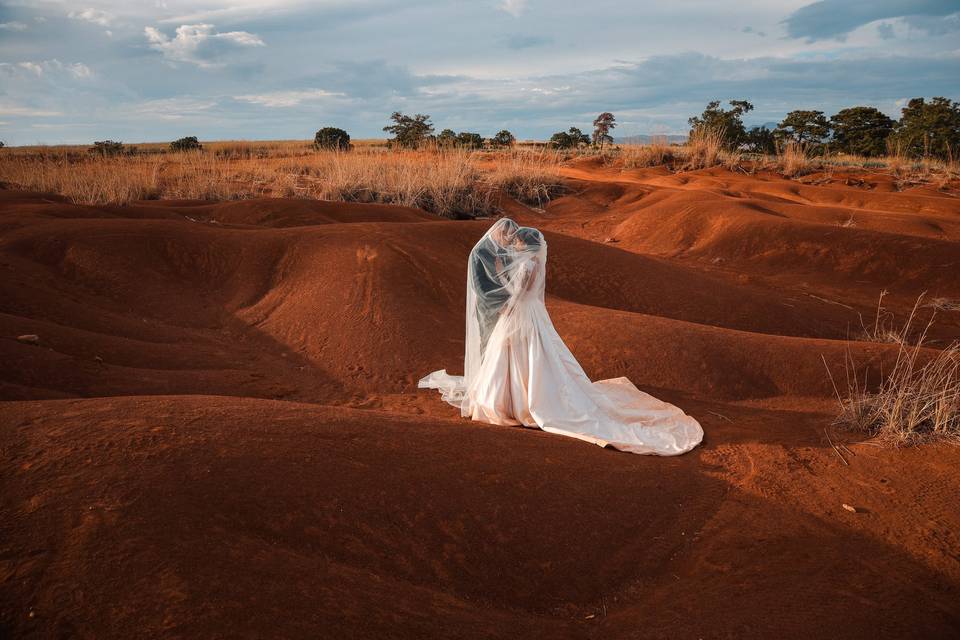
pixel 517 370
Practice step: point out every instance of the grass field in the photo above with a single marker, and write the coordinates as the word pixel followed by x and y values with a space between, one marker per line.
pixel 450 182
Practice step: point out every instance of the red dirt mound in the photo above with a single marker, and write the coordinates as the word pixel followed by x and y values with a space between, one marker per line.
pixel 218 431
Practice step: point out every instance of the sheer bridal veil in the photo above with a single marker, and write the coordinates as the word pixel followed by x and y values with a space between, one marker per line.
pixel 506 265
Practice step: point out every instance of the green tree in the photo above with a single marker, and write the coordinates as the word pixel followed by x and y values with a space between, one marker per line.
pixel 809 127
pixel 569 139
pixel 189 143
pixel 107 148
pixel 578 138
pixel 503 139
pixel 601 129
pixel 447 138
pixel 409 132
pixel 760 140
pixel 332 138
pixel 929 128
pixel 730 121
pixel 861 130
pixel 561 140
pixel 469 140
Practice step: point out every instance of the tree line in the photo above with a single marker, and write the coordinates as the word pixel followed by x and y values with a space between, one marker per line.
pixel 415 131
pixel 926 129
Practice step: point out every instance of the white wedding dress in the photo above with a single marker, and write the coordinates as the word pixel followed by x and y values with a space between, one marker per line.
pixel 517 369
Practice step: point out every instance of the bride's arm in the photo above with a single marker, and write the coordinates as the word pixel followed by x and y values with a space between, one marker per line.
pixel 531 273
pixel 523 279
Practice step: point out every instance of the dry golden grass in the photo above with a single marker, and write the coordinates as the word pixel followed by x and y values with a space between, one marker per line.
pixel 451 182
pixel 849 223
pixel 238 148
pixel 447 182
pixel 793 160
pixel 919 398
pixel 532 177
pixel 639 156
pixel 882 329
pixel 944 304
pixel 704 149
pixel 90 181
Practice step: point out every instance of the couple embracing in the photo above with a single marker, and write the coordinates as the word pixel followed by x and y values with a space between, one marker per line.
pixel 518 371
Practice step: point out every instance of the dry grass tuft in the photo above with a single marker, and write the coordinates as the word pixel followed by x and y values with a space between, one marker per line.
pixel 918 400
pixel 849 223
pixel 532 177
pixel 910 172
pixel 944 304
pixel 793 160
pixel 656 154
pixel 704 149
pixel 883 328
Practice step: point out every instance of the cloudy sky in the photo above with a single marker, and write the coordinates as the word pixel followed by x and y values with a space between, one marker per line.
pixel 145 70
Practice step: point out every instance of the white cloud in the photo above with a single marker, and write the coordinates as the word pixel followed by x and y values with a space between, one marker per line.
pixel 41 67
pixel 513 7
pixel 80 70
pixel 199 44
pixel 287 98
pixel 176 108
pixel 96 16
pixel 13 109
pixel 12 26
pixel 33 67
pixel 236 11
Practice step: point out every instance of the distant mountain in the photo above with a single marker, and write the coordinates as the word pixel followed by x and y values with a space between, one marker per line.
pixel 648 138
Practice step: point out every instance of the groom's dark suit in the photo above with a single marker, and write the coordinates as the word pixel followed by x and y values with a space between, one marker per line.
pixel 489 288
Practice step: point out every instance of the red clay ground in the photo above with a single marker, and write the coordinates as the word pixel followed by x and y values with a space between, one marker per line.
pixel 219 434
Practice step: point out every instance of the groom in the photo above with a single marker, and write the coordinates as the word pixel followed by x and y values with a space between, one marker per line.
pixel 489 260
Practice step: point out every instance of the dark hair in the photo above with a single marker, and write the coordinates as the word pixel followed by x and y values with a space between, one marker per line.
pixel 530 236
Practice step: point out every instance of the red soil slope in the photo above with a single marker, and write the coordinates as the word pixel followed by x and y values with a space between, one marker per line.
pixel 219 434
